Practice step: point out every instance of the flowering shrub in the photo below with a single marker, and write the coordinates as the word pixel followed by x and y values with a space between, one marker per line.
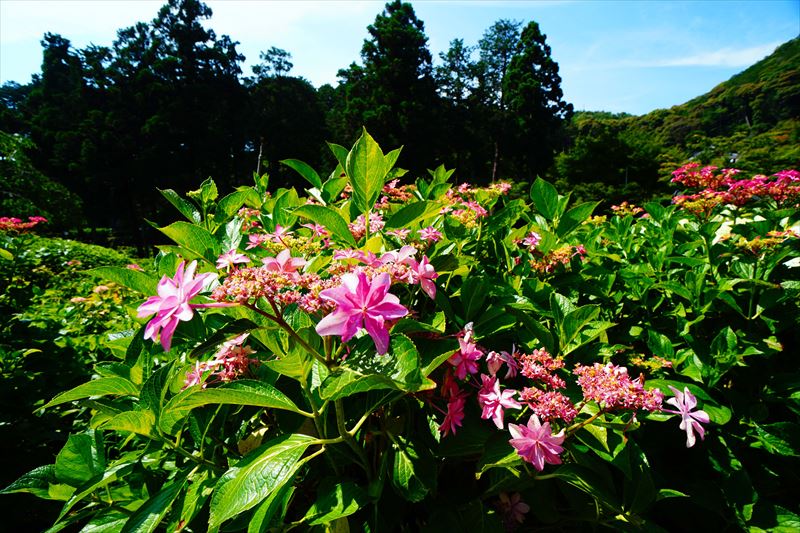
pixel 369 354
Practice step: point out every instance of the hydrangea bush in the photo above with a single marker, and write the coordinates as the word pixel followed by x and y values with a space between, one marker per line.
pixel 377 356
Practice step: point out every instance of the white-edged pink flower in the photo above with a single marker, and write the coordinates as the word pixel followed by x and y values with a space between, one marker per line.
pixel 430 234
pixel 424 274
pixel 465 360
pixel 230 259
pixel 171 305
pixel 254 240
pixel 284 262
pixel 536 443
pixel 493 401
pixel 362 303
pixel 690 420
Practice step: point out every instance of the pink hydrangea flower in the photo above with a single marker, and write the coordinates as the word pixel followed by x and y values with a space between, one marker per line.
pixel 492 401
pixel 171 305
pixel 532 240
pixel 317 230
pixel 401 233
pixel 254 240
pixel 430 234
pixel 424 274
pixel 362 302
pixel 536 443
pixel 465 359
pixel 690 420
pixel 513 509
pixel 278 235
pixel 230 259
pixel 455 415
pixel 284 262
pixel 495 360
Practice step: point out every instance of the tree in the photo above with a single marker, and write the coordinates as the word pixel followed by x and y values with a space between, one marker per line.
pixel 536 110
pixel 497 47
pixel 274 62
pixel 393 94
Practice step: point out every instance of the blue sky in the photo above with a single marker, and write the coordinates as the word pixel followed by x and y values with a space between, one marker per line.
pixel 631 56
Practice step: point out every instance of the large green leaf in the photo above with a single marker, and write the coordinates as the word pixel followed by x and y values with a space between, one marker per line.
pixel 545 198
pixel 271 511
pixel 108 386
pixel 196 242
pixel 230 205
pixel 147 517
pixel 340 500
pixel 574 217
pixel 36 482
pixel 141 422
pixel 133 279
pixel 97 482
pixel 366 170
pixel 413 469
pixel 304 170
pixel 186 208
pixel 81 458
pixel 330 218
pixel 365 371
pixel 256 476
pixel 242 392
pixel 411 213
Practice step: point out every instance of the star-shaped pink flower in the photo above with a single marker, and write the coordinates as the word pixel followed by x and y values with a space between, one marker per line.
pixel 690 420
pixel 492 401
pixel 536 443
pixel 362 303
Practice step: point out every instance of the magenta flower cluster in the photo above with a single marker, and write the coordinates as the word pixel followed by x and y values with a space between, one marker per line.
pixel 723 186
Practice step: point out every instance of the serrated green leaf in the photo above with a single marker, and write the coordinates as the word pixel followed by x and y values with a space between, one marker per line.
pixel 305 171
pixel 343 499
pixel 81 458
pixel 256 476
pixel 195 242
pixel 108 386
pixel 330 218
pixel 545 198
pixel 36 482
pixel 366 170
pixel 241 392
pixel 574 217
pixel 185 207
pixel 133 279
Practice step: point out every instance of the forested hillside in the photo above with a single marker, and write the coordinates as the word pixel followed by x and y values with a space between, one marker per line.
pixel 167 103
pixel 751 121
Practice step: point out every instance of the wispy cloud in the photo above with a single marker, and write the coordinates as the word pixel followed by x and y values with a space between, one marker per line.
pixel 724 57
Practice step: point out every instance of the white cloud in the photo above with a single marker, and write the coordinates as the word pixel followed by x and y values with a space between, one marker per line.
pixel 724 57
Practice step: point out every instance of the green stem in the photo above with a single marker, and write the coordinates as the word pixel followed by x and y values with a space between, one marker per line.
pixel 348 438
pixel 288 329
pixel 575 427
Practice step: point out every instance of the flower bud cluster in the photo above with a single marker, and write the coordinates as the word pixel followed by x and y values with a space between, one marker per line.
pixel 724 188
pixel 610 386
pixel 16 224
pixel 549 262
pixel 231 361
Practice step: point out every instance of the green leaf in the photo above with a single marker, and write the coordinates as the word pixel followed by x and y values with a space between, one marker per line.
pixel 575 321
pixel 473 295
pixel 99 481
pixel 147 517
pixel 343 499
pixel 332 188
pixel 196 242
pixel 81 458
pixel 140 422
pixel 545 198
pixel 186 208
pixel 498 453
pixel 413 470
pixel 285 203
pixel 110 521
pixel 340 153
pixel 330 218
pixel 5 254
pixel 574 217
pixel 304 170
pixel 780 438
pixel 241 392
pixel 110 386
pixel 365 371
pixel 36 482
pixel 366 170
pixel 230 205
pixel 271 511
pixel 133 279
pixel 256 476
pixel 208 191
pixel 411 213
